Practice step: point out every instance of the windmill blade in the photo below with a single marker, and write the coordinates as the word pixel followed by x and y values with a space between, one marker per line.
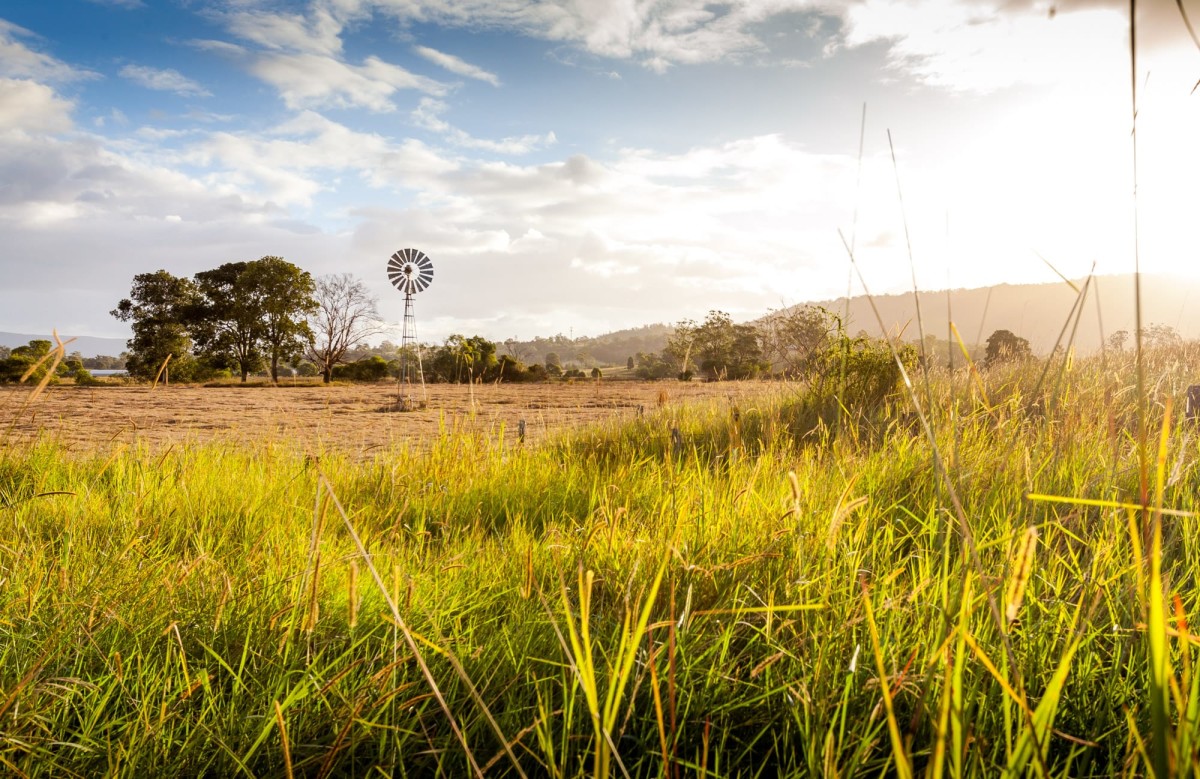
pixel 410 270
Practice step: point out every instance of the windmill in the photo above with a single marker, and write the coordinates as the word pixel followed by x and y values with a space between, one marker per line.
pixel 410 271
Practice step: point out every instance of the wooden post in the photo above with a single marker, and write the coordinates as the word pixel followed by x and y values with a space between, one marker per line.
pixel 1193 403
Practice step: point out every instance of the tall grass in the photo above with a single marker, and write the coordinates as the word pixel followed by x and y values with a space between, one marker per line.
pixel 754 595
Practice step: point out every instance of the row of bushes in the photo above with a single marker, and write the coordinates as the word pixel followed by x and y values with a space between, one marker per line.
pixel 33 361
pixel 375 368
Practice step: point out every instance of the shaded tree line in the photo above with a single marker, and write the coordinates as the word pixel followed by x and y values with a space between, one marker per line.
pixel 785 344
pixel 806 343
pixel 243 317
pixel 33 361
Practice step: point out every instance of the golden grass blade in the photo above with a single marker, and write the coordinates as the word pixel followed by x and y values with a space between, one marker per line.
pixel 1033 741
pixel 1156 629
pixel 283 736
pixel 55 356
pixel 903 767
pixel 412 644
pixel 982 656
pixel 971 366
pixel 1022 569
pixel 162 370
pixel 1187 22
pixel 571 658
pixel 775 609
pixel 1101 503
pixel 1058 273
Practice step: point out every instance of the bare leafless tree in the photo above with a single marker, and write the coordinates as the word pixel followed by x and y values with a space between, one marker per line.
pixel 516 350
pixel 346 316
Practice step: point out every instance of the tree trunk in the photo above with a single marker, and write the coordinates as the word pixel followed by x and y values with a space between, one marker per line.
pixel 274 369
pixel 245 373
pixel 327 375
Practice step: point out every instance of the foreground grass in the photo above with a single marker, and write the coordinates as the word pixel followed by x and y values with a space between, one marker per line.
pixel 756 591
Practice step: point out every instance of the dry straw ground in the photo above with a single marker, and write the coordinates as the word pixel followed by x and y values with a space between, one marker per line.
pixel 352 419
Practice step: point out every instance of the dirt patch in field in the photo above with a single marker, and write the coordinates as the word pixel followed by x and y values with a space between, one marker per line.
pixel 355 419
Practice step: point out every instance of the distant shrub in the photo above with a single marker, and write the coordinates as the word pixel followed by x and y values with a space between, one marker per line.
pixel 84 378
pixel 651 365
pixel 372 368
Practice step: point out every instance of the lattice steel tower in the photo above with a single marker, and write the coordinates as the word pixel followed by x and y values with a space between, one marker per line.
pixel 410 271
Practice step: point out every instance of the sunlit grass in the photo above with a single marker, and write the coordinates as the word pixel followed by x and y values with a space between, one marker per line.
pixel 656 597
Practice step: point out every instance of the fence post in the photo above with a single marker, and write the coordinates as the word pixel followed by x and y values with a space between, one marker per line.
pixel 1193 403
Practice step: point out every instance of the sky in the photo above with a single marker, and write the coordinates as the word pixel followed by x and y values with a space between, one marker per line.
pixel 580 166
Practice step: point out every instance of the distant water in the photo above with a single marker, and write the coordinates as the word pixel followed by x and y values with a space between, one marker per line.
pixel 108 372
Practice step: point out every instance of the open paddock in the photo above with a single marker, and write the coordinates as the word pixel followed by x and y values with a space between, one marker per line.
pixel 354 419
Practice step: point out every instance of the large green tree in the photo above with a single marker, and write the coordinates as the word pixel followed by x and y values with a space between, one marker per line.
pixel 1006 346
pixel 157 309
pixel 795 339
pixel 253 312
pixel 726 350
pixel 227 322
pixel 463 359
pixel 19 363
pixel 285 301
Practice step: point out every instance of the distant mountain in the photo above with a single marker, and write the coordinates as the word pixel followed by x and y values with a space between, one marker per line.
pixel 86 345
pixel 1036 312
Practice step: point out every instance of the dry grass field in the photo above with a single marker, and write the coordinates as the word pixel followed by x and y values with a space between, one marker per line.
pixel 354 419
pixel 771 593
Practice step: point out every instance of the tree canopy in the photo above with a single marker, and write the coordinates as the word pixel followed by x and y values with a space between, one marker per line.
pixel 159 308
pixel 240 314
pixel 1005 346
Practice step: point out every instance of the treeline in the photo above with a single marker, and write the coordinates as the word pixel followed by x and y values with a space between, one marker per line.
pixel 269 315
pixel 458 360
pixel 245 317
pixel 33 361
pixel 586 352
pixel 800 342
pixel 806 343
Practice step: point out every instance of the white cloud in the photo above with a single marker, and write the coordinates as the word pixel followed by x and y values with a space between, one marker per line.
pixel 300 55
pixel 314 81
pixel 428 114
pixel 231 50
pixel 458 66
pixel 296 162
pixel 19 61
pixel 128 5
pixel 316 34
pixel 163 80
pixel 657 34
pixel 983 47
pixel 31 107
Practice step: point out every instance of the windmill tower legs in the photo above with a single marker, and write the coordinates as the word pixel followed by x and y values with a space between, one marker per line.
pixel 410 358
